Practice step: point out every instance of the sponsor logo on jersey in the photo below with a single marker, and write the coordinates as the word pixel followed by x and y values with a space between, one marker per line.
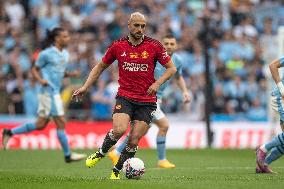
pixel 123 54
pixel 134 55
pixel 134 67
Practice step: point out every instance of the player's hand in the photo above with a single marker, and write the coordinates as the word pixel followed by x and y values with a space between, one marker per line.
pixel 79 93
pixel 43 82
pixel 153 89
pixel 186 97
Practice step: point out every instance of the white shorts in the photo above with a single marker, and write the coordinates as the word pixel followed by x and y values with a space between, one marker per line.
pixel 50 105
pixel 159 114
pixel 277 104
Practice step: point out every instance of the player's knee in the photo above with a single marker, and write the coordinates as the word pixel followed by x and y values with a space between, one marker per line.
pixel 41 123
pixel 164 128
pixel 118 131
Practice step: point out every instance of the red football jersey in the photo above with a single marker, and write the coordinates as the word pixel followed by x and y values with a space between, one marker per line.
pixel 136 66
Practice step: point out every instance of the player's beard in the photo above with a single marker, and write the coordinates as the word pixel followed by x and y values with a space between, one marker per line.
pixel 136 36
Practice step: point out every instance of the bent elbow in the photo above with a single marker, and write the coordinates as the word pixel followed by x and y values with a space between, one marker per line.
pixel 174 70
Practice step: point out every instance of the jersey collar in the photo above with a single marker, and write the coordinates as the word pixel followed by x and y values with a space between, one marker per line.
pixel 56 49
pixel 143 38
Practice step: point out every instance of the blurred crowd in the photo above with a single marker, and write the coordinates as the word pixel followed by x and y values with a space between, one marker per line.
pixel 242 42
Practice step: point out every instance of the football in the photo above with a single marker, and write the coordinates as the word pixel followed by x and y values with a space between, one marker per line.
pixel 134 168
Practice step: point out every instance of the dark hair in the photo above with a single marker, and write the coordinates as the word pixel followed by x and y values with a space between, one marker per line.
pixel 169 35
pixel 51 35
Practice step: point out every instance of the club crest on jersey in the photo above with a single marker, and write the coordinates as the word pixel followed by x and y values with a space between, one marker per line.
pixel 144 54
pixel 134 67
pixel 134 55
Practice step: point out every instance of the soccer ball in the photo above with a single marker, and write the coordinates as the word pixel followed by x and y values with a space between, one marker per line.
pixel 134 168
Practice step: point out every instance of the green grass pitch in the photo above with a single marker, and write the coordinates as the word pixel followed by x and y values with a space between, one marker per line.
pixel 195 169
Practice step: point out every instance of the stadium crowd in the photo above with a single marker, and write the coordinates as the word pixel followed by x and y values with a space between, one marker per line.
pixel 242 42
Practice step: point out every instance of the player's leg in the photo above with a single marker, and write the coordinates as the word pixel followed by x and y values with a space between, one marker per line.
pixel 163 125
pixel 138 131
pixel 44 109
pixel 62 137
pixel 120 123
pixel 24 128
pixel 275 152
pixel 142 116
pixel 115 153
pixel 263 150
pixel 121 118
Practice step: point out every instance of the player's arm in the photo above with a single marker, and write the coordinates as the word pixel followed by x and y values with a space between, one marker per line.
pixel 93 76
pixel 40 62
pixel 107 60
pixel 37 76
pixel 274 66
pixel 183 88
pixel 170 71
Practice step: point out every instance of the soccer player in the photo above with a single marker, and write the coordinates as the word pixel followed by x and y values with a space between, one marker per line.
pixel 137 55
pixel 52 63
pixel 159 117
pixel 274 149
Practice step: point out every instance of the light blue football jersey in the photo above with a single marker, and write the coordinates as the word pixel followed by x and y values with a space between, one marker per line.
pixel 275 91
pixel 52 63
pixel 159 71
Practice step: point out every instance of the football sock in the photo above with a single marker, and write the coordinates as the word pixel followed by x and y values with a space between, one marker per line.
pixel 161 147
pixel 120 148
pixel 276 141
pixel 275 154
pixel 25 128
pixel 125 154
pixel 61 135
pixel 109 141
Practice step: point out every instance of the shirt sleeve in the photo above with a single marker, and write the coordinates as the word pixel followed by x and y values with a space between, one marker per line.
pixel 41 60
pixel 281 60
pixel 109 56
pixel 162 55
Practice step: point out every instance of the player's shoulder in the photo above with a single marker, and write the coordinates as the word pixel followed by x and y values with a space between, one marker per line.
pixel 65 52
pixel 176 57
pixel 153 41
pixel 119 41
pixel 45 52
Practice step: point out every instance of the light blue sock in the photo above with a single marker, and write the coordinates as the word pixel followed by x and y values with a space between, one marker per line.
pixel 63 141
pixel 122 145
pixel 25 128
pixel 275 153
pixel 161 147
pixel 276 141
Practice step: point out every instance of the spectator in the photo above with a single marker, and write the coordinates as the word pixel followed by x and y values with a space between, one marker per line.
pixel 243 41
pixel 101 102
